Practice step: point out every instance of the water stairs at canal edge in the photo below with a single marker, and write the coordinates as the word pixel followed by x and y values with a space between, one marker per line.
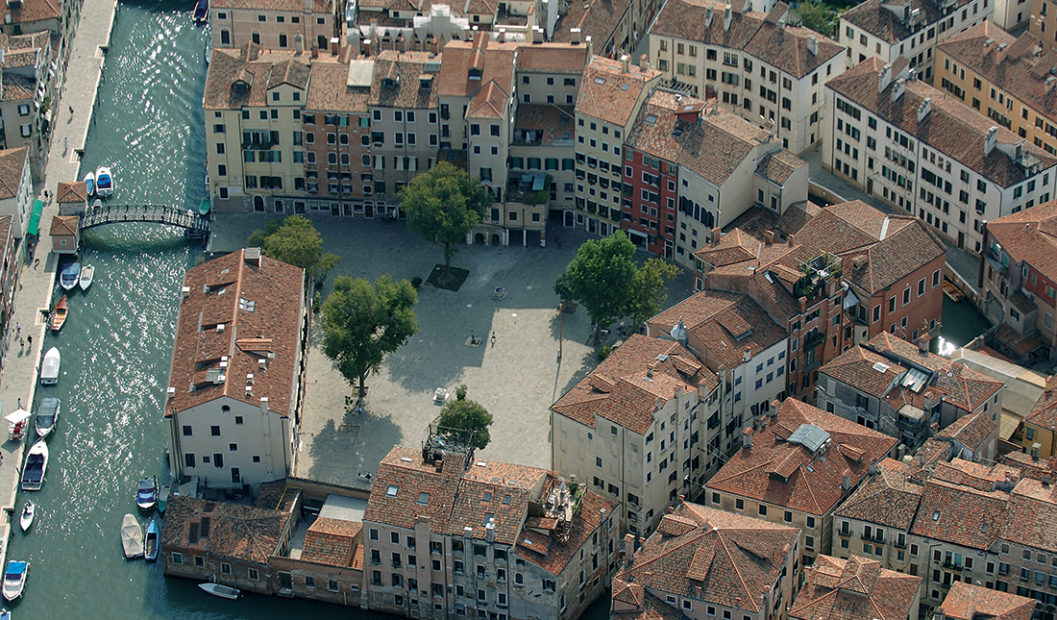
pixel 18 377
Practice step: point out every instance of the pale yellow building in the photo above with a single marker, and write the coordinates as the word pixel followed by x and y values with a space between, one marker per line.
pixel 1007 78
pixel 1043 22
pixel 275 24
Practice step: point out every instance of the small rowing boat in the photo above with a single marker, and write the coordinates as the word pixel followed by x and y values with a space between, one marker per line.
pixel 58 315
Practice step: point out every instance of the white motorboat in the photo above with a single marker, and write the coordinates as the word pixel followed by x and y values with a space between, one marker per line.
pixel 131 537
pixel 15 579
pixel 221 590
pixel 49 368
pixel 26 518
pixel 47 417
pixel 36 465
pixel 104 182
pixel 89 181
pixel 85 280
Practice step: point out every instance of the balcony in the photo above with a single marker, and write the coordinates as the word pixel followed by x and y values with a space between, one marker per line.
pixel 816 272
pixel 529 188
pixel 259 145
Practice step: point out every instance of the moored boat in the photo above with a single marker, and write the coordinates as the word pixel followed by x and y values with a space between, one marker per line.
pixel 58 314
pixel 69 276
pixel 201 14
pixel 49 368
pixel 131 537
pixel 89 181
pixel 87 274
pixel 221 590
pixel 147 493
pixel 26 518
pixel 36 465
pixel 47 417
pixel 15 579
pixel 104 182
pixel 150 542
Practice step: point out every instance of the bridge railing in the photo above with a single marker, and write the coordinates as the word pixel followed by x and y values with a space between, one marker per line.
pixel 98 215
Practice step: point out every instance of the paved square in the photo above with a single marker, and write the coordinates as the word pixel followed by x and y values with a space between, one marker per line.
pixel 516 379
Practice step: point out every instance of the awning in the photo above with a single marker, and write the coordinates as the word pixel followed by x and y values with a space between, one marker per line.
pixel 34 218
pixel 17 416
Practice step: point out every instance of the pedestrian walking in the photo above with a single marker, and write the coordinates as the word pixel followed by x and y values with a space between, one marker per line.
pixel 18 329
pixel 36 262
pixel 493 339
pixel 20 403
pixel 21 343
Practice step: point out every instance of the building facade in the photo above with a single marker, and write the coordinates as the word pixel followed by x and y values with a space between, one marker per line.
pixel 294 25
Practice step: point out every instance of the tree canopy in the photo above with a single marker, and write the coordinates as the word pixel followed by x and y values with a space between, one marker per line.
pixel 647 292
pixel 362 322
pixel 600 278
pixel 296 241
pixel 461 418
pixel 442 205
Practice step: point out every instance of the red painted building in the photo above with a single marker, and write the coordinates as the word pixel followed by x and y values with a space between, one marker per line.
pixel 650 195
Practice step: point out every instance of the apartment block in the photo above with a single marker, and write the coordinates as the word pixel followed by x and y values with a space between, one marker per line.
pixel 634 429
pixel 1007 78
pixel 16 191
pixel 691 166
pixel 607 108
pixel 696 565
pixel 795 466
pixel 767 72
pixel 497 539
pixel 1043 22
pixel 904 391
pixel 1036 434
pixel 855 587
pixel 965 601
pixel 1020 282
pixel 233 400
pixel 615 27
pixel 738 341
pixel 922 150
pixel 294 25
pixel 25 75
pixel 890 29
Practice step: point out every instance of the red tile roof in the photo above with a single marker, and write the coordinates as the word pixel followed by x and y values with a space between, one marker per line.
pixel 222 529
pixel 65 225
pixel 490 61
pixel 331 541
pixel 854 589
pixel 249 299
pixel 1030 236
pixel 887 497
pixel 12 162
pixel 966 601
pixel 76 192
pixel 397 81
pixel 1032 517
pixel 877 18
pixel 242 77
pixel 622 391
pixel 609 94
pixel 713 556
pixel 788 474
pixel 961 515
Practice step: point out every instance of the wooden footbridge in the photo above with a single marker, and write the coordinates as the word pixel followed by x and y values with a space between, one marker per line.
pixel 190 220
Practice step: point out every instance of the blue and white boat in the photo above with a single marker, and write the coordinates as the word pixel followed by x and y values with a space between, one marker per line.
pixel 104 182
pixel 150 543
pixel 147 493
pixel 36 465
pixel 89 181
pixel 70 276
pixel 15 579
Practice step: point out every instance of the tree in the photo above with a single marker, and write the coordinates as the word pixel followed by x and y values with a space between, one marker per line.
pixel 295 241
pixel 600 279
pixel 463 418
pixel 648 292
pixel 363 322
pixel 442 205
pixel 818 16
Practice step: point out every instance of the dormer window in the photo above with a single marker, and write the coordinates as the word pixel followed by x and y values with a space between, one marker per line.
pixel 475 73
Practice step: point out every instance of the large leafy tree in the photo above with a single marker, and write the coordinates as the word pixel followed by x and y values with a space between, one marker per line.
pixel 362 322
pixel 296 241
pixel 648 292
pixel 442 205
pixel 463 418
pixel 600 278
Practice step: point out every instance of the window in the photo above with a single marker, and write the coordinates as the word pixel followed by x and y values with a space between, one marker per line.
pixel 177 558
pixel 187 431
pixel 225 568
pixel 214 431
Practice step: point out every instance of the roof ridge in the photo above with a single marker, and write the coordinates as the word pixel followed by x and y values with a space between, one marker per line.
pixel 737 571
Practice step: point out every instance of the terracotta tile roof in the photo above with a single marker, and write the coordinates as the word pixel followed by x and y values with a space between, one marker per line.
pixel 222 529
pixel 556 122
pixel 631 601
pixel 975 431
pixel 1030 236
pixel 788 474
pixel 243 77
pixel 784 47
pixel 12 162
pixel 778 166
pixel 30 11
pixel 552 58
pixel 597 19
pixel 725 559
pixel 17 87
pixel 723 325
pixel 248 299
pixel 558 553
pixel 397 80
pixel 65 225
pixel 961 515
pixel 331 541
pixel 874 17
pixel 490 102
pixel 76 192
pixel 966 601
pixel 713 144
pixel 925 460
pixel 976 475
pixel 329 89
pixel 1032 516
pixel 1015 69
pixel 1031 467
pixel 403 470
pixel 467 67
pixel 732 247
pixel 887 498
pixel 620 389
pixel 609 94
pixel 864 370
pixel 853 589
pixel 952 128
pixel 1044 412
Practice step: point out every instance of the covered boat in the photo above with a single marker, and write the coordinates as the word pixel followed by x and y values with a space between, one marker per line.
pixel 131 537
pixel 147 493
pixel 47 417
pixel 221 590
pixel 150 542
pixel 36 465
pixel 15 579
pixel 69 276
pixel 104 182
pixel 49 368
pixel 58 314
pixel 89 181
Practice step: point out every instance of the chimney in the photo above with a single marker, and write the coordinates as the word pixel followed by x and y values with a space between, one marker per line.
pixel 1000 53
pixel 625 63
pixel 574 36
pixel 401 43
pixel 884 78
pixel 791 239
pixel 803 304
pixel 490 530
pixel 644 63
pixel 1035 451
pixel 252 256
pixel 845 483
pixel 367 47
pixel 299 44
pixel 629 550
pixel 924 108
pixel 335 45
pixel 315 52
pixel 898 87
pixel 716 234
pixel 747 355
pixel 923 342
pixel 768 237
pixel 1050 81
pixel 264 405
pixel 812 45
pixel 727 18
pixel 746 439
pixel 502 35
pixel 708 17
pixel 990 139
pixel 587 44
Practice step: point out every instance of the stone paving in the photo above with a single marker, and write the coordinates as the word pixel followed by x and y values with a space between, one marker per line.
pixel 516 379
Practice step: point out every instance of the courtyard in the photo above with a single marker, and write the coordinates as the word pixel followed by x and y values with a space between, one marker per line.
pixel 508 293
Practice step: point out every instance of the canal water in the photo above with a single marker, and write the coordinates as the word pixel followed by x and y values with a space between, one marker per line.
pixel 117 343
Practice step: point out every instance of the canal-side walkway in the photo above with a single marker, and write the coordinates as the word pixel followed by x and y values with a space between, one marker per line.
pixel 18 378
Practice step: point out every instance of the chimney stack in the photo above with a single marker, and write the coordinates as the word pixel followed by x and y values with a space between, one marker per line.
pixel 768 237
pixel 716 234
pixel 708 16
pixel 812 45
pixel 574 36
pixel 845 483
pixel 727 18
pixel 884 78
pixel 367 47
pixel 923 342
pixel 299 44
pixel 629 550
pixel 898 88
pixel 335 45
pixel 644 63
pixel 625 63
pixel 746 440
pixel 990 139
pixel 924 108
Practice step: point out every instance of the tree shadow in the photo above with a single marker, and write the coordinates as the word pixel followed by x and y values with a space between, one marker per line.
pixel 347 449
